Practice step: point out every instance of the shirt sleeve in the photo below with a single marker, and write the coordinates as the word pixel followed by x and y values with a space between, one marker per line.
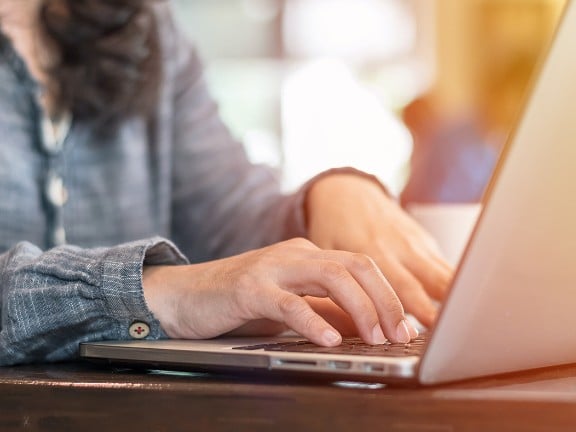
pixel 51 301
pixel 222 204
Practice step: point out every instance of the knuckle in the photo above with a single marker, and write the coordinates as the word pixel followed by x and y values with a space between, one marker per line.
pixel 363 263
pixel 310 321
pixel 395 308
pixel 393 301
pixel 334 271
pixel 291 305
pixel 294 310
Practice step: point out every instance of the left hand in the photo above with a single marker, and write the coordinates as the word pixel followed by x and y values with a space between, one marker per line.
pixel 352 213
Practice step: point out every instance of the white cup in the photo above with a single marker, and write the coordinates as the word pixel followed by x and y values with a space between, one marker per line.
pixel 450 224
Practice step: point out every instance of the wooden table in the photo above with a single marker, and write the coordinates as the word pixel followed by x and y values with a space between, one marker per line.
pixel 82 397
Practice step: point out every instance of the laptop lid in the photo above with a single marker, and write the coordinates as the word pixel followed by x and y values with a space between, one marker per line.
pixel 513 297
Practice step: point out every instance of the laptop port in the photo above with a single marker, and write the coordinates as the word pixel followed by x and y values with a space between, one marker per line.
pixel 294 363
pixel 371 367
pixel 339 364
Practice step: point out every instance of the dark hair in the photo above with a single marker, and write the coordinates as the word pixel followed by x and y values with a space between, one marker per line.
pixel 107 65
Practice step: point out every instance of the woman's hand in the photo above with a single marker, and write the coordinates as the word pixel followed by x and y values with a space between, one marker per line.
pixel 352 213
pixel 209 299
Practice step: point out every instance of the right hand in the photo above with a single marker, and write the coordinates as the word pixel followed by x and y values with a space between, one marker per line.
pixel 209 299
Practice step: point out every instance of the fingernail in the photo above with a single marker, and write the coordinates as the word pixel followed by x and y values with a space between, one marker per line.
pixel 378 337
pixel 402 332
pixel 331 337
pixel 412 330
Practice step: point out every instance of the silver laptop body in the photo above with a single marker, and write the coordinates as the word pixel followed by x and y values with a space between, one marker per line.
pixel 512 304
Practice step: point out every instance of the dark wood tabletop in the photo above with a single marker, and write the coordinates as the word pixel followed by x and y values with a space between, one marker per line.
pixel 85 397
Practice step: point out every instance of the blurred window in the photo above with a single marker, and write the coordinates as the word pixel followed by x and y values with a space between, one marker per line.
pixel 312 84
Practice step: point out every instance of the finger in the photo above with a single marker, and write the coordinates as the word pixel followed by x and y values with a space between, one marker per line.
pixel 445 265
pixel 385 300
pixel 433 276
pixel 413 296
pixel 430 248
pixel 359 287
pixel 336 282
pixel 334 314
pixel 295 312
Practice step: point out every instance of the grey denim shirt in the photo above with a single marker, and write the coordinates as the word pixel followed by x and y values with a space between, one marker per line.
pixel 169 189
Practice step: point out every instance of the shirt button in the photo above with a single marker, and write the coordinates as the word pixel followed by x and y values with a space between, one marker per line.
pixel 139 330
pixel 56 192
pixel 59 236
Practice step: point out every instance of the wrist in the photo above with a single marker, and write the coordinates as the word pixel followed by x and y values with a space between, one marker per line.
pixel 341 189
pixel 342 208
pixel 158 298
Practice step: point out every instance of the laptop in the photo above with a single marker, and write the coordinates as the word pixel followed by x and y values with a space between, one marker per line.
pixel 512 301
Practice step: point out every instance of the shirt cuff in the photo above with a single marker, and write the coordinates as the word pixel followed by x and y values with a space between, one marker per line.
pixel 122 284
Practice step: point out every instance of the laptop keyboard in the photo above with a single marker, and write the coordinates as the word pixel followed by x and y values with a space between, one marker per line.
pixel 349 346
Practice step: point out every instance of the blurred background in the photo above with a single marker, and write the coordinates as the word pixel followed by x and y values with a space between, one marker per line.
pixel 421 93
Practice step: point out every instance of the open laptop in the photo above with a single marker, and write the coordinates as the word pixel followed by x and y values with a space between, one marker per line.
pixel 512 303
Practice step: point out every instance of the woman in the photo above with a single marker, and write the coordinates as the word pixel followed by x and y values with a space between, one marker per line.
pixel 123 199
